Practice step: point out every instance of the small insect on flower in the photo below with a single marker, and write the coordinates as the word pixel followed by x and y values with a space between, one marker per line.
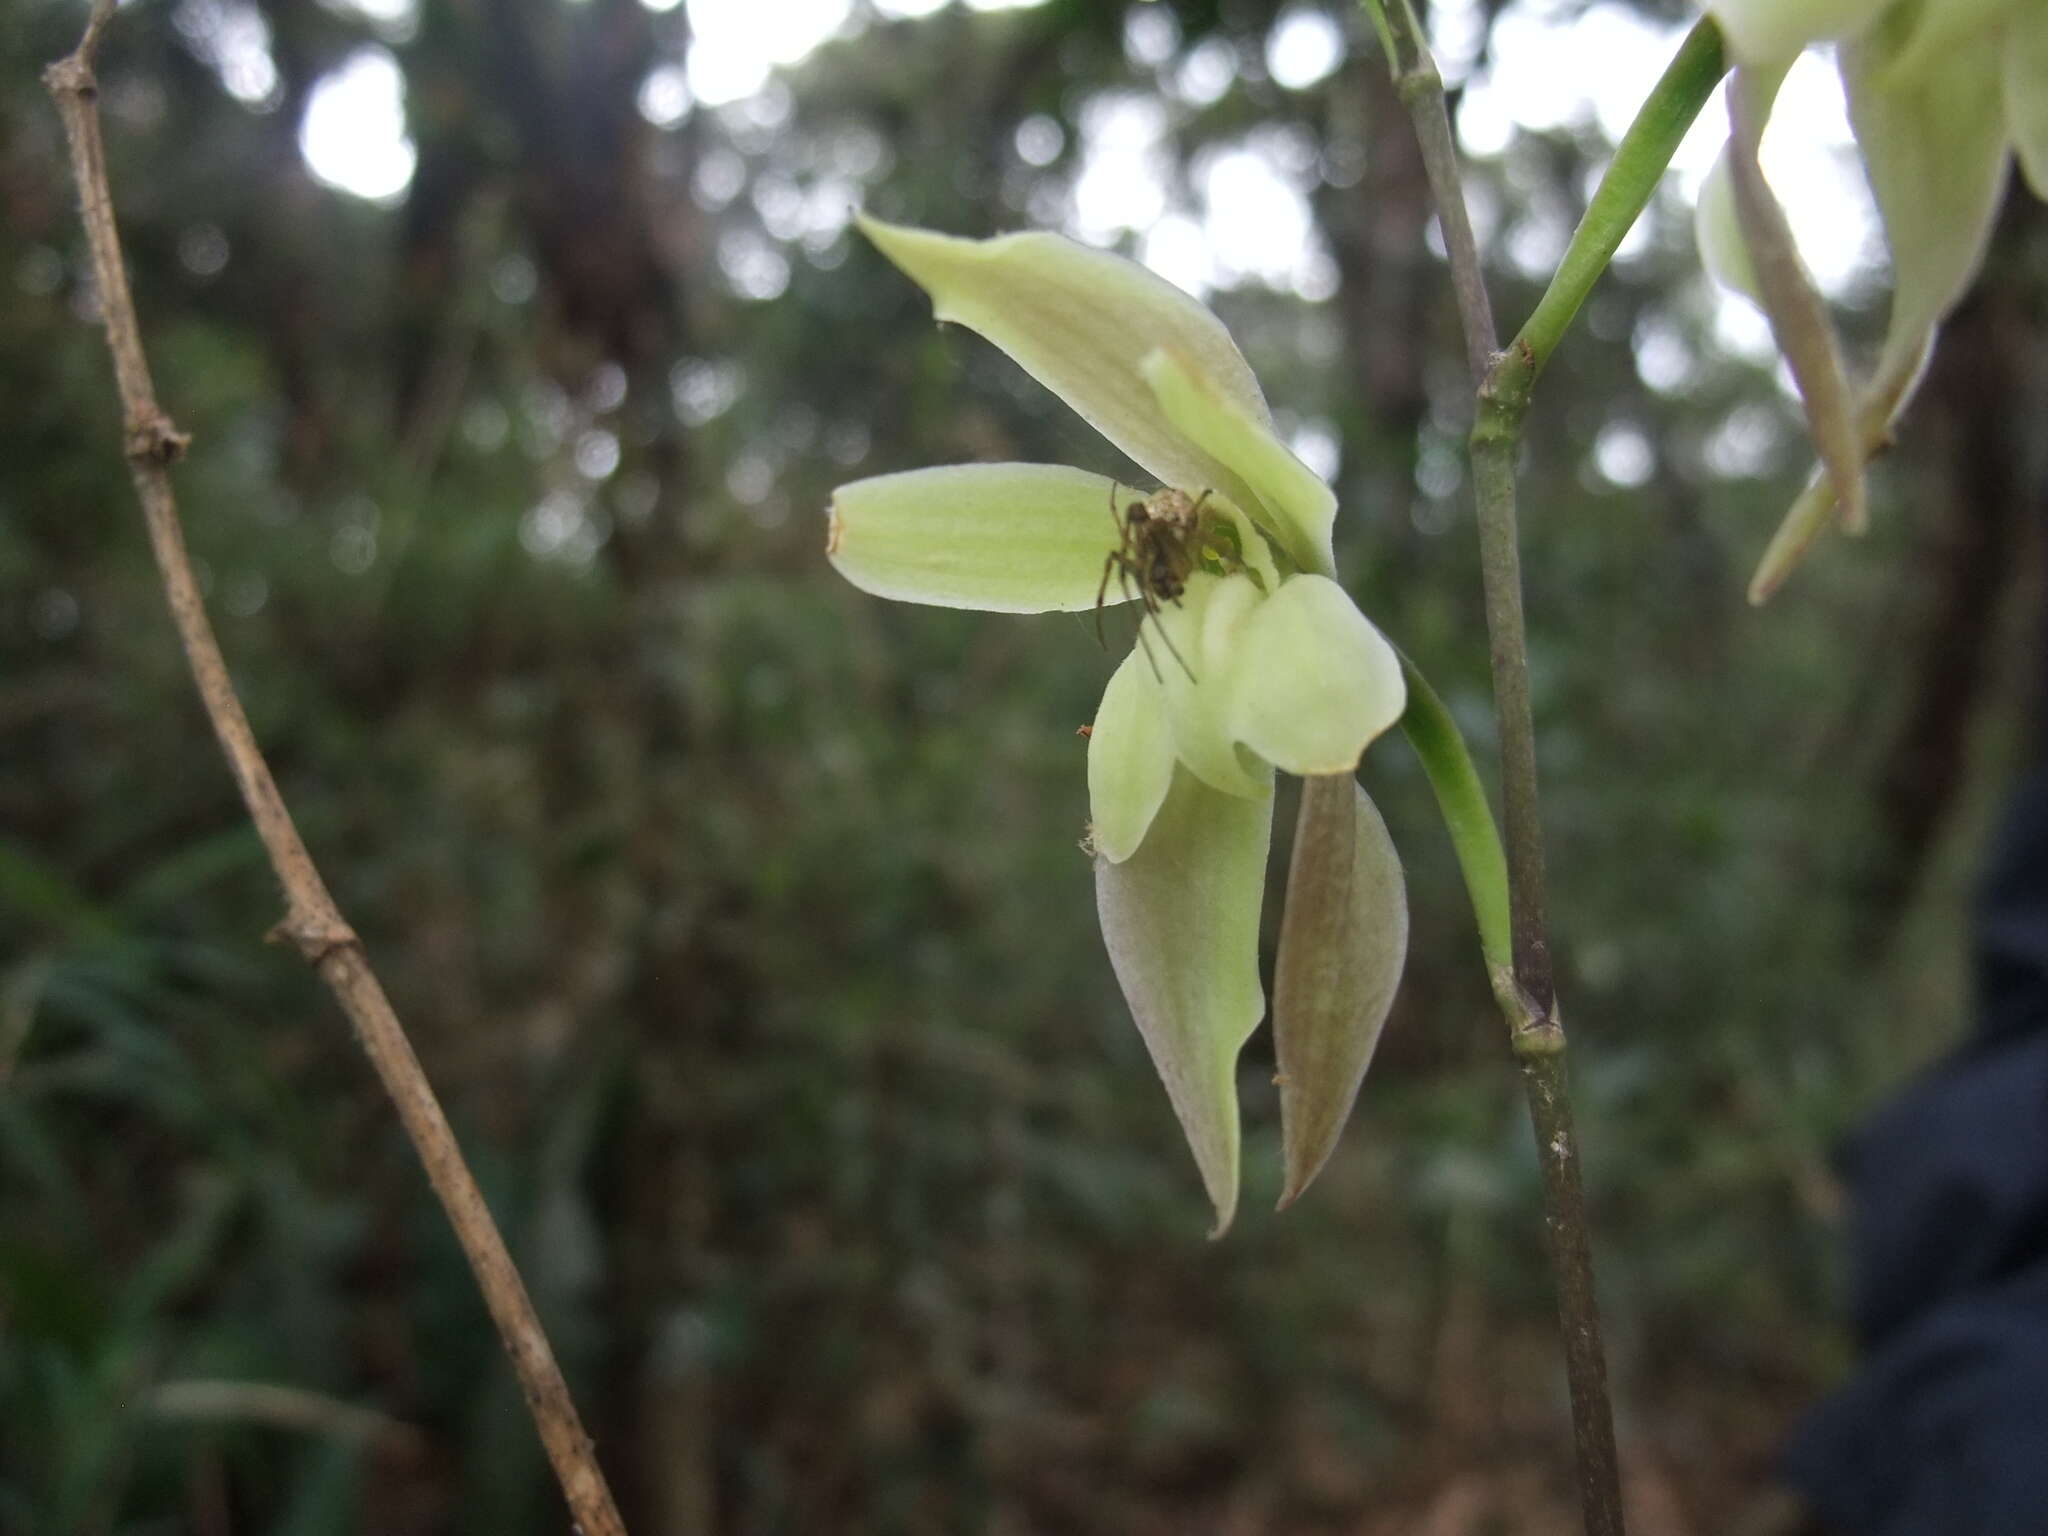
pixel 1161 542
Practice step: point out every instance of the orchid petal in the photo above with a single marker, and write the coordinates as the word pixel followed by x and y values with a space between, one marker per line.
pixel 2026 91
pixel 1130 760
pixel 1809 516
pixel 1180 918
pixel 1784 288
pixel 1933 140
pixel 1008 538
pixel 1934 146
pixel 1343 941
pixel 1919 32
pixel 1081 321
pixel 1313 683
pixel 1291 500
pixel 1775 32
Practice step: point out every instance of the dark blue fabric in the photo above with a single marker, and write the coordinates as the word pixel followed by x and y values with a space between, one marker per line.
pixel 1943 1430
pixel 2012 921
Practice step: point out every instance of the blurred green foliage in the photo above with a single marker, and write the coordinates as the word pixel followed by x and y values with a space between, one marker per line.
pixel 739 917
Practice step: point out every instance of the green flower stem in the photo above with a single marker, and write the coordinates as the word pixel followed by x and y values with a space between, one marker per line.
pixel 1639 163
pixel 1462 798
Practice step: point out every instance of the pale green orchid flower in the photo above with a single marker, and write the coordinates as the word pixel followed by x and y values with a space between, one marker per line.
pixel 1251 658
pixel 1942 94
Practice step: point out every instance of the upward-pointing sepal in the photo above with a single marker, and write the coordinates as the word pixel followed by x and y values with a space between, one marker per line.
pixel 1082 322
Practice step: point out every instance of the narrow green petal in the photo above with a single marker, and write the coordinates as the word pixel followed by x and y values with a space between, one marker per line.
pixel 1933 139
pixel 1081 321
pixel 1343 940
pixel 1313 683
pixel 2026 91
pixel 1130 760
pixel 1290 500
pixel 1777 31
pixel 1194 645
pixel 1797 313
pixel 1009 538
pixel 1180 918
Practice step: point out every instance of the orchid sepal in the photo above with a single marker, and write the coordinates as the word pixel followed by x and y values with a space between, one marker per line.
pixel 1082 322
pixel 1004 538
pixel 1343 942
pixel 1180 919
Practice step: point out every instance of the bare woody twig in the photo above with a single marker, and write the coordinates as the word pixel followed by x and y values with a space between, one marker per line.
pixel 292 1408
pixel 311 922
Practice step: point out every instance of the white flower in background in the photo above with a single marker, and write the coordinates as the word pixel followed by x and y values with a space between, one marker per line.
pixel 1942 95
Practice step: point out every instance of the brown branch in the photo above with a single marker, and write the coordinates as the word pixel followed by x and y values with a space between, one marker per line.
pixel 311 922
pixel 280 1407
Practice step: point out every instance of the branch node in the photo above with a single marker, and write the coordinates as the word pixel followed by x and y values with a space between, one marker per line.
pixel 315 935
pixel 1531 1031
pixel 154 443
pixel 1545 1037
pixel 71 76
